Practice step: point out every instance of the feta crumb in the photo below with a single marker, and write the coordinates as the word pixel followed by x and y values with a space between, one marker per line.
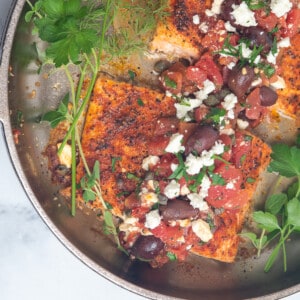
pixel 148 161
pixel 218 148
pixel 175 145
pixel 203 27
pixel 206 157
pixel 184 190
pixel 231 65
pixel 193 164
pixel 206 183
pixel 229 101
pixel 148 199
pixel 230 185
pixel 271 58
pixel 284 43
pixel 65 158
pixel 172 190
pixel 202 230
pixel 152 219
pixel 197 201
pixel 278 84
pixel 215 8
pixel 208 87
pixel 229 27
pixel 242 124
pixel 243 15
pixel 196 19
pixel 280 7
pixel 129 225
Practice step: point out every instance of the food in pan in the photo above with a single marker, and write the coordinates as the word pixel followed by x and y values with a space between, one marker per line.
pixel 173 162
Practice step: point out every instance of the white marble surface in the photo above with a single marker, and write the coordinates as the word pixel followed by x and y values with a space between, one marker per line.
pixel 33 263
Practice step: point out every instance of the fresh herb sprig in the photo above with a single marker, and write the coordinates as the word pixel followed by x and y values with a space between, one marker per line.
pixel 281 215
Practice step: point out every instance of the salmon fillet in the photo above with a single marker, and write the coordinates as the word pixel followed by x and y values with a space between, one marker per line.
pixel 119 122
pixel 117 125
pixel 178 36
pixel 225 243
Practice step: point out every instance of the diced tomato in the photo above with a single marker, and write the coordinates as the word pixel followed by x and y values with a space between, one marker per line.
pixel 158 145
pixel 163 167
pixel 207 64
pixel 265 20
pixel 139 212
pixel 228 196
pixel 241 148
pixel 196 75
pixel 168 234
pixel 200 112
pixel 227 141
pixel 292 23
pixel 253 107
pixel 186 129
pixel 172 81
pixel 166 125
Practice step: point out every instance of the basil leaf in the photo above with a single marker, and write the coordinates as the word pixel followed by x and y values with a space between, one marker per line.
pixel 266 220
pixel 275 203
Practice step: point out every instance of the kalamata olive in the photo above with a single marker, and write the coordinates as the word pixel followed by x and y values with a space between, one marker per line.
pixel 258 37
pixel 267 96
pixel 178 210
pixel 147 247
pixel 202 138
pixel 240 79
pixel 161 65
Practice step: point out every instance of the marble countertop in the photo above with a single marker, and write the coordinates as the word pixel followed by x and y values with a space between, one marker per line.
pixel 33 263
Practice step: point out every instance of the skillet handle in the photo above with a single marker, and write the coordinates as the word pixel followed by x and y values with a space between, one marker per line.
pixel 5 14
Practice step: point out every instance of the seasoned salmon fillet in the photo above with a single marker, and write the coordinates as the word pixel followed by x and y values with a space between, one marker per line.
pixel 178 36
pixel 119 122
pixel 119 125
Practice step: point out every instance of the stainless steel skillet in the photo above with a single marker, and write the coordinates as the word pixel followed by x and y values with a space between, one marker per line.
pixel 22 90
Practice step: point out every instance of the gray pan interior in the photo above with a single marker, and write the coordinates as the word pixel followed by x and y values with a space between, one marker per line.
pixel 21 89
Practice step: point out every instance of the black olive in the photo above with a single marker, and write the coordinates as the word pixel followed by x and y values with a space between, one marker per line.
pixel 240 79
pixel 268 96
pixel 202 138
pixel 258 37
pixel 147 247
pixel 178 210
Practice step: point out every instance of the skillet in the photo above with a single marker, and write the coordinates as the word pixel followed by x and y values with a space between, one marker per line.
pixel 23 90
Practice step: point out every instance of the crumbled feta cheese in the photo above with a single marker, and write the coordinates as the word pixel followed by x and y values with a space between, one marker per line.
pixel 203 27
pixel 173 167
pixel 256 82
pixel 193 164
pixel 206 183
pixel 246 52
pixel 284 43
pixel 215 8
pixel 227 131
pixel 184 190
pixel 231 65
pixel 196 19
pixel 148 161
pixel 242 124
pixel 148 199
pixel 218 148
pixel 208 87
pixel 229 27
pixel 243 15
pixel 65 158
pixel 202 230
pixel 129 225
pixel 184 223
pixel 197 201
pixel 271 58
pixel 206 157
pixel 278 84
pixel 280 7
pixel 229 101
pixel 172 190
pixel 152 219
pixel 230 185
pixel 175 143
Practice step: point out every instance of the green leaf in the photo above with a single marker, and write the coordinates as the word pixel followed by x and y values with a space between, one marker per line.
pixel 275 203
pixel 88 195
pixel 54 9
pixel 171 256
pixel 29 15
pixel 109 226
pixel 285 160
pixel 272 258
pixel 293 212
pixel 217 179
pixel 292 190
pixel 54 117
pixel 266 220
